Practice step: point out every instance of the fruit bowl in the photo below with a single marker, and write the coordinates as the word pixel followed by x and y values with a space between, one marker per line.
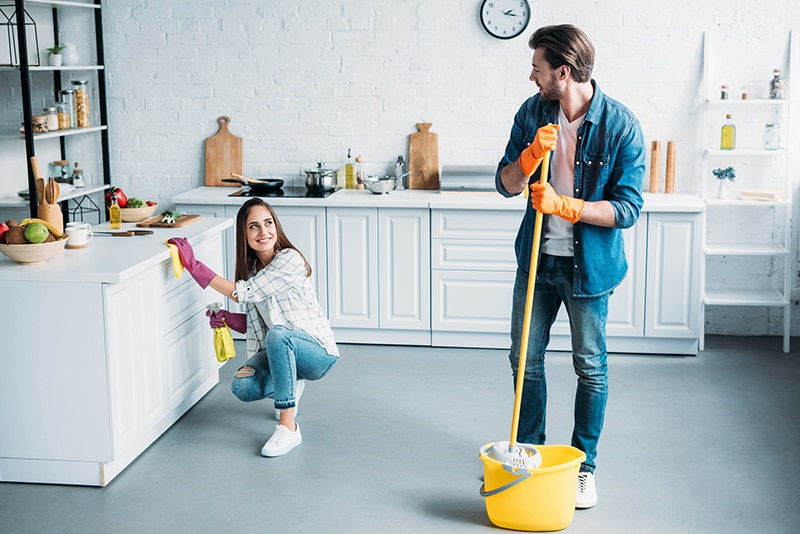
pixel 33 253
pixel 137 214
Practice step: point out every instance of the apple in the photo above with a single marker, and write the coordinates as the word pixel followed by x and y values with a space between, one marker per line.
pixel 3 230
pixel 36 233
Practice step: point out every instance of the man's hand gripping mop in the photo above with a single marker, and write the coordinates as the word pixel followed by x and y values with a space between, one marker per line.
pixel 223 339
pixel 516 458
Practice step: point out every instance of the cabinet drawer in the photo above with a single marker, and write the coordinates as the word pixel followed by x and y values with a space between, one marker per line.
pixel 184 301
pixel 475 224
pixel 473 255
pixel 468 301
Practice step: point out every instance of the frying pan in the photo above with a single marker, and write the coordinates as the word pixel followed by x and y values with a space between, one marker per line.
pixel 269 185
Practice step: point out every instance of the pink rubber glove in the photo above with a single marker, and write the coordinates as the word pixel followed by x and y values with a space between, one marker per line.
pixel 545 199
pixel 237 321
pixel 545 141
pixel 201 274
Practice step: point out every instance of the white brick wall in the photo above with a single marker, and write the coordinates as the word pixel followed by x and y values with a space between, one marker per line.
pixel 303 81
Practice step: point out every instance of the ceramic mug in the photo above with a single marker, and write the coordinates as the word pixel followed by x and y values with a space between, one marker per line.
pixel 79 234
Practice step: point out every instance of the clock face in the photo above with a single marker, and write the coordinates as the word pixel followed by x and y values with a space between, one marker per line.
pixel 505 19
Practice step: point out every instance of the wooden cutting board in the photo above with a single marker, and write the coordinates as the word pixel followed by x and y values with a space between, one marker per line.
pixel 223 155
pixel 155 222
pixel 423 158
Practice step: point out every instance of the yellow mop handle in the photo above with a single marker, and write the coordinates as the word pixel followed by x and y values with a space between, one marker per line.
pixel 526 323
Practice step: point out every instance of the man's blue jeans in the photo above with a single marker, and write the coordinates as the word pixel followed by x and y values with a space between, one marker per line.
pixel 290 354
pixel 587 321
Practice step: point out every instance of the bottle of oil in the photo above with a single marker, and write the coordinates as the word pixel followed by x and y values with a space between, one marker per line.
pixel 114 215
pixel 728 137
pixel 349 175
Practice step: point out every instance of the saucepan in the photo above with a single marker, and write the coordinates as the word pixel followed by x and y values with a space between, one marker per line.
pixel 320 179
pixel 257 186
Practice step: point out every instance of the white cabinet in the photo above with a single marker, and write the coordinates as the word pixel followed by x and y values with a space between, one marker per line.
pixel 747 258
pixel 472 281
pixel 387 305
pixel 656 308
pixel 101 394
pixel 305 228
pixel 673 282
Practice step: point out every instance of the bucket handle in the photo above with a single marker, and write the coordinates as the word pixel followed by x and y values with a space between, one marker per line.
pixel 513 470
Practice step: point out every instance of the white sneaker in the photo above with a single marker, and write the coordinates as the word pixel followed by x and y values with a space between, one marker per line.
pixel 586 497
pixel 282 441
pixel 298 392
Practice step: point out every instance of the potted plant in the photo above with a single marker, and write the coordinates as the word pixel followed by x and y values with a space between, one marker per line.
pixel 724 175
pixel 54 55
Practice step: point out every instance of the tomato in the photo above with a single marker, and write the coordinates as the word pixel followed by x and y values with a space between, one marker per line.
pixel 122 200
pixel 3 232
pixel 150 203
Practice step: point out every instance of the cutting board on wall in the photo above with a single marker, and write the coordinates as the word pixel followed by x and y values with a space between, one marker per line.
pixel 223 155
pixel 423 158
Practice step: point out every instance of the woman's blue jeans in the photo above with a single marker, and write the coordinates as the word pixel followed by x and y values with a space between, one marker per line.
pixel 587 322
pixel 290 355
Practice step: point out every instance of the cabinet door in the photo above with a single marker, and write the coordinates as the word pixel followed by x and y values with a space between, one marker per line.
pixel 472 301
pixel 305 228
pixel 404 296
pixel 673 276
pixel 626 304
pixel 135 354
pixel 353 267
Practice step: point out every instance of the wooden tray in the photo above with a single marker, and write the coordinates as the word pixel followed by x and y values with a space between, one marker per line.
pixel 155 222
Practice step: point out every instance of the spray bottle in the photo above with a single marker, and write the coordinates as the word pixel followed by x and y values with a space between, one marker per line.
pixel 223 339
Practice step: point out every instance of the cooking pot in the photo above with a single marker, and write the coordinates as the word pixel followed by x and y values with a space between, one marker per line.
pixel 320 179
pixel 259 187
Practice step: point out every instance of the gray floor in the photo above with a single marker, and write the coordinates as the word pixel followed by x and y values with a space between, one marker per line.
pixel 703 444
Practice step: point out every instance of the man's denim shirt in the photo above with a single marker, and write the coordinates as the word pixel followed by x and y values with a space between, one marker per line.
pixel 609 165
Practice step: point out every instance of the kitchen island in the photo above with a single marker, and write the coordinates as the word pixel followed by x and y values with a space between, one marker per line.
pixel 103 350
pixel 427 268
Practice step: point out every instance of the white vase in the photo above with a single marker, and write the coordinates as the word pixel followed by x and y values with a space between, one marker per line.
pixel 722 190
pixel 70 54
pixel 55 60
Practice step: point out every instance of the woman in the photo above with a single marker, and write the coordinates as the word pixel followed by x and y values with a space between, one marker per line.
pixel 289 338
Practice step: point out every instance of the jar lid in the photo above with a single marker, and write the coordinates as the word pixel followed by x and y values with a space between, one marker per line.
pixel 49 110
pixel 61 162
pixel 39 118
pixel 67 91
pixel 80 82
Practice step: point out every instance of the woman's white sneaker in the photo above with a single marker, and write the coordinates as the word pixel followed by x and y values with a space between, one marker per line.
pixel 282 441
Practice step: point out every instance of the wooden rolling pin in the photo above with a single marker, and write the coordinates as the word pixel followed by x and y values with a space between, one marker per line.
pixel 671 153
pixel 655 165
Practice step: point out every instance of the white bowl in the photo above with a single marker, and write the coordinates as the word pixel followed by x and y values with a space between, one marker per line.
pixel 137 214
pixel 33 253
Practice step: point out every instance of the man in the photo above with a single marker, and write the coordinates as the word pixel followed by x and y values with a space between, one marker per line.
pixel 594 191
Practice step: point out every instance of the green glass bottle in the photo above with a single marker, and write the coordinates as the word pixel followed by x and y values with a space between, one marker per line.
pixel 728 137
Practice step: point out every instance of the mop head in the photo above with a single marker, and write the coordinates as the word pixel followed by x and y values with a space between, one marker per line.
pixel 522 455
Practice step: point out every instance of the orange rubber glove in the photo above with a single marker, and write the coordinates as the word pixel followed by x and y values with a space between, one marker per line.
pixel 545 141
pixel 545 199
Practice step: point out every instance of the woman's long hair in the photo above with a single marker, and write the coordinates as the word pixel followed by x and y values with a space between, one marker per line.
pixel 246 258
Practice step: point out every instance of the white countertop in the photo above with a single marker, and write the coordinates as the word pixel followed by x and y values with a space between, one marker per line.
pixel 108 259
pixel 417 198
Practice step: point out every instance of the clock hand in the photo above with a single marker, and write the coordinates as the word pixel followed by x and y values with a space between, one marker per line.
pixel 510 13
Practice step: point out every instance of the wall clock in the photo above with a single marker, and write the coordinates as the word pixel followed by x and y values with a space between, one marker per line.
pixel 505 19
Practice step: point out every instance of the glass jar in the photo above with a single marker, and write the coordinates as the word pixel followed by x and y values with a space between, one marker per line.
pixel 52 118
pixel 68 97
pixel 776 85
pixel 63 115
pixel 81 88
pixel 772 136
pixel 40 124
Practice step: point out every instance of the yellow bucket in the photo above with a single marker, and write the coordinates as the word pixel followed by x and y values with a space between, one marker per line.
pixel 541 499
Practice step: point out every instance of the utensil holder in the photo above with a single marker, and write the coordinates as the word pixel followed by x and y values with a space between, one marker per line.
pixel 52 214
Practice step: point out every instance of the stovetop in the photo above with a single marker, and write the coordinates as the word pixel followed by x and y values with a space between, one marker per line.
pixel 285 191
